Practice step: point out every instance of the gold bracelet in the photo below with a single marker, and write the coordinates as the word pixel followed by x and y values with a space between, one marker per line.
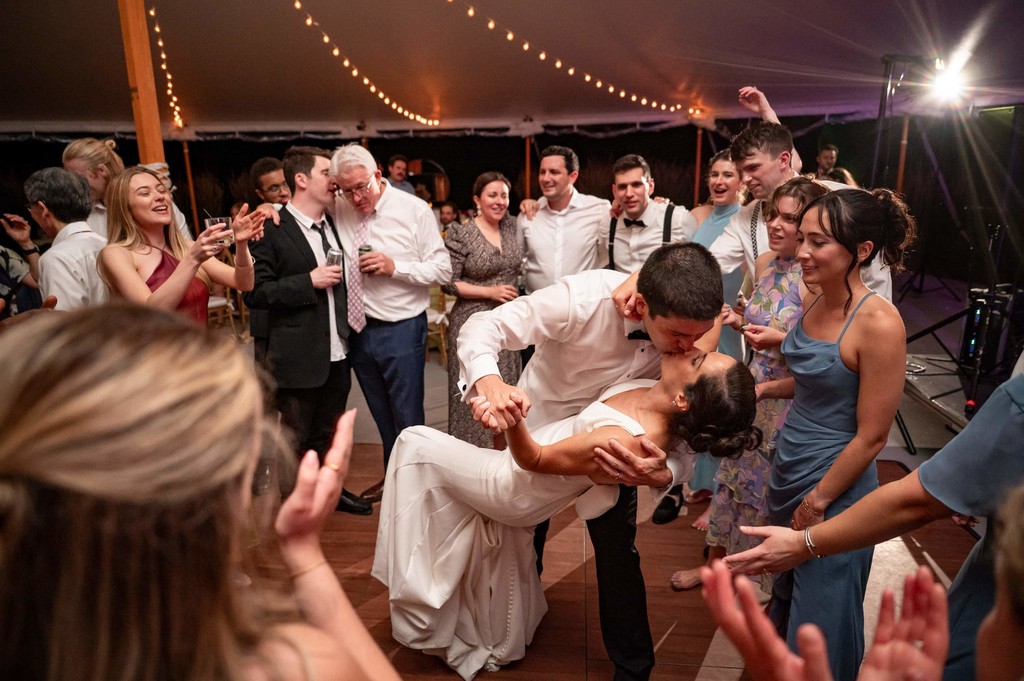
pixel 807 507
pixel 308 569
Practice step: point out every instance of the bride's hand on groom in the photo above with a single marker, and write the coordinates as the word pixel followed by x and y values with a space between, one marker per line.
pixel 629 469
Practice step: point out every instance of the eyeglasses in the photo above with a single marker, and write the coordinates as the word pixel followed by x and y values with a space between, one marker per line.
pixel 360 191
pixel 31 205
pixel 276 188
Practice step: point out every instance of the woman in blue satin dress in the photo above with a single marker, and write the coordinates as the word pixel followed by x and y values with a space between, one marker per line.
pixel 847 356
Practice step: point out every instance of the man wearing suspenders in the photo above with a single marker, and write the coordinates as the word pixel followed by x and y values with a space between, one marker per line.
pixel 644 225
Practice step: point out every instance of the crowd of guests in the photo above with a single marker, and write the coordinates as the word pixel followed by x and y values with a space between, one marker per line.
pixel 594 346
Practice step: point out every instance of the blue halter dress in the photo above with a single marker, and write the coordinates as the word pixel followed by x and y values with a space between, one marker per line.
pixel 823 419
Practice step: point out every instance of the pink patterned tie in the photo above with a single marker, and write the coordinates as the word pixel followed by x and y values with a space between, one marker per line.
pixel 356 307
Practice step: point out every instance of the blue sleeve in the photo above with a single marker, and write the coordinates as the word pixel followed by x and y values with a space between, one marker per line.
pixel 978 468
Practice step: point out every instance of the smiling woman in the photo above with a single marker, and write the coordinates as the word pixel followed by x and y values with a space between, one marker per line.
pixel 148 262
pixel 487 258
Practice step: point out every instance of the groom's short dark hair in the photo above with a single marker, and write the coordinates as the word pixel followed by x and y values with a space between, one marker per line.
pixel 682 280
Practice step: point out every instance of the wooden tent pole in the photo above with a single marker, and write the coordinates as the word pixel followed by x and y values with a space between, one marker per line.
pixel 903 154
pixel 141 84
pixel 696 169
pixel 529 186
pixel 191 187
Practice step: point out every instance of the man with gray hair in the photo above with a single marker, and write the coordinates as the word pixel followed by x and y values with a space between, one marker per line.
pixel 394 254
pixel 59 202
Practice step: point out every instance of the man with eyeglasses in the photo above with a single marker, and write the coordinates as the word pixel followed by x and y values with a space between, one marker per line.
pixel 267 176
pixel 303 292
pixel 394 254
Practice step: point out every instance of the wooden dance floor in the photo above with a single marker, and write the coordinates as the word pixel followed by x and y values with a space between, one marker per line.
pixel 568 642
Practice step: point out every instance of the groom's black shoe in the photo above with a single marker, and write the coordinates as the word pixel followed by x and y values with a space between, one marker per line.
pixel 350 503
pixel 668 509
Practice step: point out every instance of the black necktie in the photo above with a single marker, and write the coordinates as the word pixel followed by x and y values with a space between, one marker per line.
pixel 340 296
pixel 634 223
pixel 639 334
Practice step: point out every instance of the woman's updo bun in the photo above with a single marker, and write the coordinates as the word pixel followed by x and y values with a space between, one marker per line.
pixel 721 414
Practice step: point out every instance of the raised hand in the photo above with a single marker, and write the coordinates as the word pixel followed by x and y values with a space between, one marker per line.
pixel 735 609
pixel 915 646
pixel 18 229
pixel 317 489
pixel 248 226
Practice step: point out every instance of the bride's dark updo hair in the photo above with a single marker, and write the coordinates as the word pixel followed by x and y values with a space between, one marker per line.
pixel 721 414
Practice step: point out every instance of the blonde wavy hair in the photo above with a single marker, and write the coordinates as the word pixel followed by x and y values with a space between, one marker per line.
pixel 129 436
pixel 95 153
pixel 122 228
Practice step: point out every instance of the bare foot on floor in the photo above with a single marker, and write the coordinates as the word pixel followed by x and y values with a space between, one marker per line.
pixel 701 523
pixel 685 579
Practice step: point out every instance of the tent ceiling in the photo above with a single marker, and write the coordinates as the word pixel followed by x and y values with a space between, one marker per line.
pixel 252 66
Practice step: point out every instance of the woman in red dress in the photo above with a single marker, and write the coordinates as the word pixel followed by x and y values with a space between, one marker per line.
pixel 148 261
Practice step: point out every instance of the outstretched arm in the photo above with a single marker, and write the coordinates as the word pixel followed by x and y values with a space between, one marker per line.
pixel 572 456
pixel 887 512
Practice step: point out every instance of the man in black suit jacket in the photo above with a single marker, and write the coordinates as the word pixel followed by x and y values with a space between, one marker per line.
pixel 307 309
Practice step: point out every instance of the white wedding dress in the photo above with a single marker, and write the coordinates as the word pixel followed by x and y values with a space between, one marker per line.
pixel 455 540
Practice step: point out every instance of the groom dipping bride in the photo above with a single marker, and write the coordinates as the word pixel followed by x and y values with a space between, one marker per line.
pixel 455 542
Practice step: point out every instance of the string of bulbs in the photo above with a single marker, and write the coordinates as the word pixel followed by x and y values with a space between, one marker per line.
pixel 367 82
pixel 559 64
pixel 172 99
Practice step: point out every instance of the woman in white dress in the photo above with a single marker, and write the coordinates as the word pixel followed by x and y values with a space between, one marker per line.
pixel 455 541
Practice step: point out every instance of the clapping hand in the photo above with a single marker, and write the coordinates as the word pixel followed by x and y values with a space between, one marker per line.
pixel 317 490
pixel 912 648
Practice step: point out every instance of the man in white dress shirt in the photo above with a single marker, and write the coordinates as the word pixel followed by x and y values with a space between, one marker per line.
pixel 564 235
pixel 583 347
pixel 394 254
pixel 59 201
pixel 634 235
pixel 762 154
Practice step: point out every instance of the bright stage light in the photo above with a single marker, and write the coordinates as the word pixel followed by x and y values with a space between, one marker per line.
pixel 948 85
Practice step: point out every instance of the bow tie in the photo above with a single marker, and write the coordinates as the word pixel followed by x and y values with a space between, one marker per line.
pixel 634 223
pixel 639 334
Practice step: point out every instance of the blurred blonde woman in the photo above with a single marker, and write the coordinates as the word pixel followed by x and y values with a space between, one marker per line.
pixel 98 162
pixel 149 263
pixel 130 439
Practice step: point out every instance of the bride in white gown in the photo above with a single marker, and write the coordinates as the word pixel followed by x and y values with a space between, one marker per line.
pixel 455 540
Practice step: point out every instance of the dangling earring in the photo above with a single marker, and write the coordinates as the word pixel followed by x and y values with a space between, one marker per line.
pixel 477 210
pixel 675 403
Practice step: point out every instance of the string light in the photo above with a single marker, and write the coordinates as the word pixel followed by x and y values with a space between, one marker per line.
pixel 558 63
pixel 367 83
pixel 172 99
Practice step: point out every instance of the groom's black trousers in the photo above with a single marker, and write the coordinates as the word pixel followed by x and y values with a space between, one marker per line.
pixel 621 593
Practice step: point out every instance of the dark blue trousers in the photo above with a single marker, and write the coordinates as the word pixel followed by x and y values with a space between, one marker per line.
pixel 388 359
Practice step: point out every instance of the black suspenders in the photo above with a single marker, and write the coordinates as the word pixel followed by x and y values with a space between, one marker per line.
pixel 666 234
